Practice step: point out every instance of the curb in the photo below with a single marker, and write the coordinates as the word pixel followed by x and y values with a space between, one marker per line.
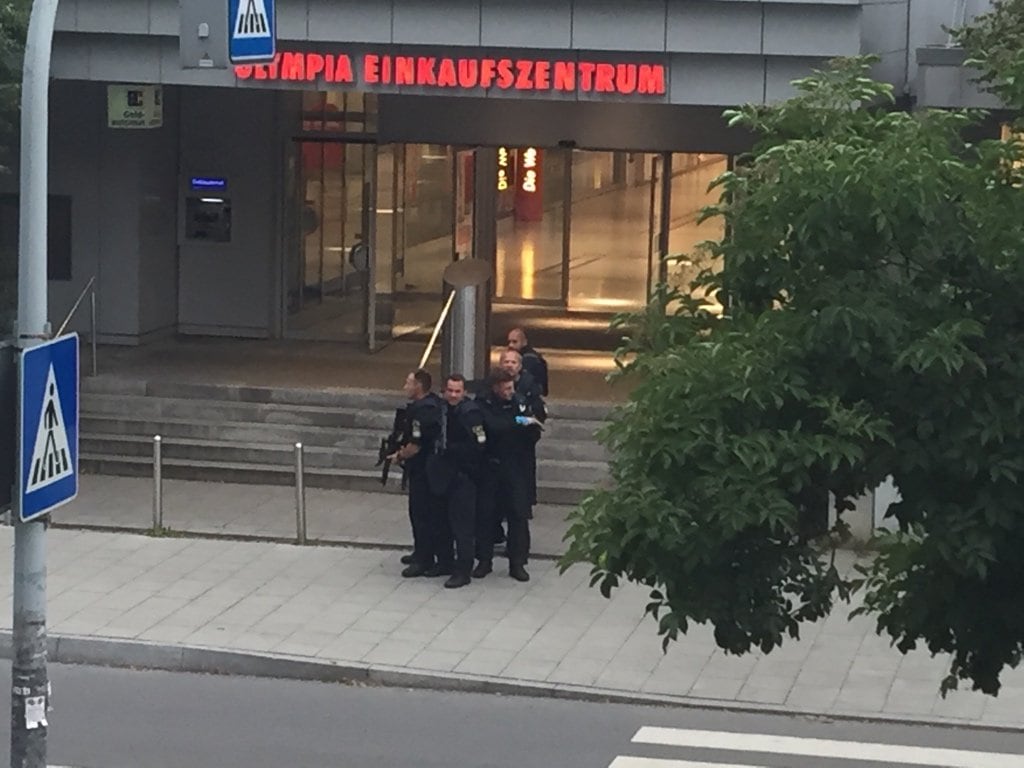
pixel 139 654
pixel 175 533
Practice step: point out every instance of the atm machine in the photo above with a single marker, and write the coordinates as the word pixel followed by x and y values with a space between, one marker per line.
pixel 205 210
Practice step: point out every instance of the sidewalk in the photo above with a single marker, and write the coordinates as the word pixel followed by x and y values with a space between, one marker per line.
pixel 349 606
pixel 268 511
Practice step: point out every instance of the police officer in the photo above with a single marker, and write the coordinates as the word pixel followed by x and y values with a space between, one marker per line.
pixel 504 483
pixel 423 423
pixel 533 361
pixel 530 403
pixel 452 470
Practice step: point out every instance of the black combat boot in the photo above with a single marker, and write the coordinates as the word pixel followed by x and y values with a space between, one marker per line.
pixel 518 572
pixel 483 568
pixel 457 579
pixel 414 570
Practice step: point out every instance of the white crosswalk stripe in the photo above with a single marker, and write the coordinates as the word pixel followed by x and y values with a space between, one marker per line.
pixel 659 762
pixel 793 746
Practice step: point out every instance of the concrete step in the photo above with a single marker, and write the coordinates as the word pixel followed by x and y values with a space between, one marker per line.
pixel 247 434
pixel 217 411
pixel 359 399
pixel 283 455
pixel 570 434
pixel 269 474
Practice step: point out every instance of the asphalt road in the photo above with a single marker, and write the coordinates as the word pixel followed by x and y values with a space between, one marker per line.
pixel 109 718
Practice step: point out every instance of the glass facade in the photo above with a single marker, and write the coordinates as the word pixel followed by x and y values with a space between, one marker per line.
pixel 603 251
pixel 422 239
pixel 575 230
pixel 691 177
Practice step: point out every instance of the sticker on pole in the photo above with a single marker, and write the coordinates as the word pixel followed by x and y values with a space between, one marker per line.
pixel 48 434
pixel 252 30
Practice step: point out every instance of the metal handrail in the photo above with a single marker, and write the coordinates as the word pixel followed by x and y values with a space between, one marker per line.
pixel 90 289
pixel 437 329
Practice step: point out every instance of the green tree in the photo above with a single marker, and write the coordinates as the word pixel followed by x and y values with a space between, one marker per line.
pixel 874 322
pixel 13 27
pixel 994 43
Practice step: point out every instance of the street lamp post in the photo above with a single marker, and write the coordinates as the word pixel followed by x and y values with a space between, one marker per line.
pixel 29 683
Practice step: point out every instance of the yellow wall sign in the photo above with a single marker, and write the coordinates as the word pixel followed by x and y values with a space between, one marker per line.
pixel 504 168
pixel 135 106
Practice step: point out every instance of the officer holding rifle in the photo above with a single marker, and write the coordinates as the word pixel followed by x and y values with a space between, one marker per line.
pixel 422 427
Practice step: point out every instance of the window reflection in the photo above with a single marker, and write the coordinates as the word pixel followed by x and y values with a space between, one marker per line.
pixel 692 174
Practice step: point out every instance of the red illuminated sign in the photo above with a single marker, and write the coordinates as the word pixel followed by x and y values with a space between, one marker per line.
pixel 466 74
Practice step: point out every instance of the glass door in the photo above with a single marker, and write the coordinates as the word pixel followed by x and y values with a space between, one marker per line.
pixel 464 203
pixel 329 272
pixel 532 185
pixel 415 237
pixel 657 241
pixel 615 219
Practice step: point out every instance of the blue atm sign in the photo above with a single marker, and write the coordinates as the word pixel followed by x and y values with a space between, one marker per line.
pixel 252 30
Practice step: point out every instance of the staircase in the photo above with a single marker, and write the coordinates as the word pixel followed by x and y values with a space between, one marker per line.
pixel 247 434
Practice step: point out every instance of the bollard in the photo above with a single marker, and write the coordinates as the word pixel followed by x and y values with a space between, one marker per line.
pixel 300 496
pixel 158 485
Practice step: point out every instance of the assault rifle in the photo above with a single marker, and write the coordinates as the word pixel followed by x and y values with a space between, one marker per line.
pixel 396 438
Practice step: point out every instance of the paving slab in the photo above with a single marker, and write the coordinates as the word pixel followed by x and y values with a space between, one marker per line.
pixel 270 608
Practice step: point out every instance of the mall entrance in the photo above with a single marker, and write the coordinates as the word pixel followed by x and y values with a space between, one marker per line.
pixel 574 235
pixel 584 237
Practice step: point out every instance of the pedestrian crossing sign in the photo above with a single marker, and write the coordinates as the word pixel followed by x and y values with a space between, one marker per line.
pixel 48 421
pixel 252 30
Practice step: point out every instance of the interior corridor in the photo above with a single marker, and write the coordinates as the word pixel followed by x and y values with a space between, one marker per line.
pixel 585 243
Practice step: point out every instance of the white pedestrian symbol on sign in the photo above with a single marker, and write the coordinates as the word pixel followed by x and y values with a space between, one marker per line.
pixel 251 20
pixel 51 454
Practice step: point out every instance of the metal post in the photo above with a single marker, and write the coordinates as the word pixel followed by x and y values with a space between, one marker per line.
pixel 300 495
pixel 465 348
pixel 92 328
pixel 158 484
pixel 29 682
pixel 464 334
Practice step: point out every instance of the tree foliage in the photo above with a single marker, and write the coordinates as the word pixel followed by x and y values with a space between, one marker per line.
pixel 13 27
pixel 874 322
pixel 994 42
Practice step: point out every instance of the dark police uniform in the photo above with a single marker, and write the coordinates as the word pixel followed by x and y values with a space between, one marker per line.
pixel 535 364
pixel 423 425
pixel 530 403
pixel 453 468
pixel 504 483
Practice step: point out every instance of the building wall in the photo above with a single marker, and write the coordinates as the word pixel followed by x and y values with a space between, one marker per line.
pixel 718 53
pixel 117 181
pixel 126 184
pixel 157 226
pixel 229 288
pixel 939 77
pixel 929 17
pixel 490 122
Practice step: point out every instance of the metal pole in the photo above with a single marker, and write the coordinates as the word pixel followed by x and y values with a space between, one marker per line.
pixel 29 682
pixel 300 496
pixel 158 484
pixel 464 338
pixel 92 328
